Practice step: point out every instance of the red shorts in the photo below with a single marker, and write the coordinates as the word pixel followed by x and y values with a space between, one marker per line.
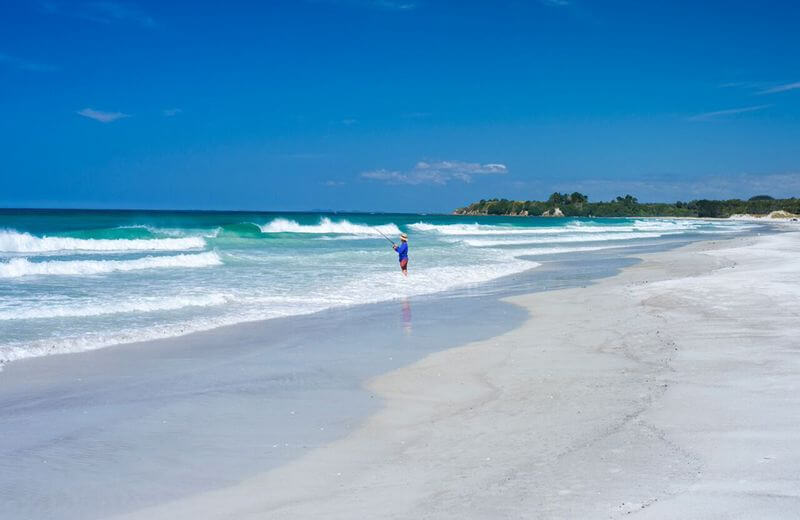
pixel 404 264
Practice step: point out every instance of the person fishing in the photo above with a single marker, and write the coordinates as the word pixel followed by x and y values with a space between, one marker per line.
pixel 402 252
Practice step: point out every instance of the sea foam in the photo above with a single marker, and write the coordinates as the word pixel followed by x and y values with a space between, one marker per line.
pixel 19 267
pixel 484 229
pixel 479 242
pixel 326 225
pixel 143 304
pixel 571 227
pixel 372 288
pixel 14 242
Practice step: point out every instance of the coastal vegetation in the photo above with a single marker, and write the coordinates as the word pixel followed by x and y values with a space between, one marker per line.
pixel 578 205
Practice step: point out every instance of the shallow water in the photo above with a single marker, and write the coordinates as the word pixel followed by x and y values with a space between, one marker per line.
pixel 79 280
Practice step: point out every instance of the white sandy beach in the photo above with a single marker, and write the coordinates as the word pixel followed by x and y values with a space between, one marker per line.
pixel 668 391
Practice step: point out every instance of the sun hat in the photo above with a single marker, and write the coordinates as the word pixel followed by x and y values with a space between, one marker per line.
pixel 403 236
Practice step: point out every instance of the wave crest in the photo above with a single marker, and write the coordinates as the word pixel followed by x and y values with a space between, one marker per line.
pixel 328 226
pixel 488 229
pixel 15 242
pixel 572 227
pixel 19 267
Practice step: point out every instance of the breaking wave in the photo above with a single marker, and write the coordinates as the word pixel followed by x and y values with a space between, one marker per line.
pixel 328 226
pixel 572 227
pixel 19 267
pixel 15 242
pixel 484 229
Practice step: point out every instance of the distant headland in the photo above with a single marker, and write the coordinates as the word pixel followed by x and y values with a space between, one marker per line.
pixel 578 205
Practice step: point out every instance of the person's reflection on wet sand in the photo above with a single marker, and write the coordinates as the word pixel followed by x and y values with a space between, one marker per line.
pixel 406 316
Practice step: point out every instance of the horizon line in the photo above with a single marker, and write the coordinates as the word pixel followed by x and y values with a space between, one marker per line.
pixel 163 210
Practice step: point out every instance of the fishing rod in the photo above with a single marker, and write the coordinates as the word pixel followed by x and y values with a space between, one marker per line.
pixel 384 236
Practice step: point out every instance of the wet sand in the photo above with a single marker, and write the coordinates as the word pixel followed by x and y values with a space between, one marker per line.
pixel 668 391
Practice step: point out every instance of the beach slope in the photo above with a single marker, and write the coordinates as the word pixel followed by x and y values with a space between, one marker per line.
pixel 668 391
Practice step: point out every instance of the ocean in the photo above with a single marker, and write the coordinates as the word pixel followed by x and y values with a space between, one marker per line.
pixel 73 280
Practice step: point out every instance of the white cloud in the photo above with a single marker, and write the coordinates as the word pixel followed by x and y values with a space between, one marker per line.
pixel 170 112
pixel 711 116
pixel 333 183
pixel 103 117
pixel 742 84
pixel 781 88
pixel 395 177
pixel 437 172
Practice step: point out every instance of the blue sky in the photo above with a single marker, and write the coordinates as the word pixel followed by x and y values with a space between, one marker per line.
pixel 395 105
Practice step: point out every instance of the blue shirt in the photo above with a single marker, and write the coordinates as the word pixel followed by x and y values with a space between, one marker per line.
pixel 402 251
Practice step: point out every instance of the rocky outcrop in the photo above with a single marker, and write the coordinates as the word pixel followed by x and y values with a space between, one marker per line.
pixel 555 212
pixel 483 213
pixel 471 213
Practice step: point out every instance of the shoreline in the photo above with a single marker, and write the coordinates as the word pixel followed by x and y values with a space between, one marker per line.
pixel 590 420
pixel 226 394
pixel 15 352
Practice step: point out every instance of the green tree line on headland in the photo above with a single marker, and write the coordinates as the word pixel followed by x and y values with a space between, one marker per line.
pixel 578 205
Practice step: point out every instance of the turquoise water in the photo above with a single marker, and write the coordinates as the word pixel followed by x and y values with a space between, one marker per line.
pixel 79 280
